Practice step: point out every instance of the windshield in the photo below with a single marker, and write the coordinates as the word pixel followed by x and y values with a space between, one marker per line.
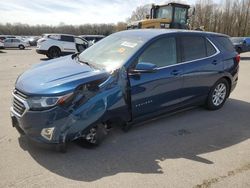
pixel 112 52
pixel 164 12
pixel 180 15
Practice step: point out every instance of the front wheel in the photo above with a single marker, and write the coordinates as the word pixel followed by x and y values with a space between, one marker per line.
pixel 21 47
pixel 218 95
pixel 95 135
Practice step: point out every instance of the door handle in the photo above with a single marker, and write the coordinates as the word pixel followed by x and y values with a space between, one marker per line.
pixel 176 72
pixel 215 62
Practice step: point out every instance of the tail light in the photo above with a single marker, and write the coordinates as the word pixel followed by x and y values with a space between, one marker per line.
pixel 237 58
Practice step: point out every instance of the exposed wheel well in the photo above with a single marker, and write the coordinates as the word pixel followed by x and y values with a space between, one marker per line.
pixel 115 121
pixel 54 47
pixel 229 83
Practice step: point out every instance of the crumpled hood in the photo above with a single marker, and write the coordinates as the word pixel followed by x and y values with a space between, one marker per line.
pixel 57 76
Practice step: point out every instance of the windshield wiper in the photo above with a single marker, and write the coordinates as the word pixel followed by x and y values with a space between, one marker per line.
pixel 76 55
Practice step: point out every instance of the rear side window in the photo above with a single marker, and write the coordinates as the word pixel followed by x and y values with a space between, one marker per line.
pixel 15 40
pixel 210 49
pixel 67 38
pixel 193 47
pixel 225 42
pixel 55 37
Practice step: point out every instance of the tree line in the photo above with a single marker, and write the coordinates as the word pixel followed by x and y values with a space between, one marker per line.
pixel 35 30
pixel 229 16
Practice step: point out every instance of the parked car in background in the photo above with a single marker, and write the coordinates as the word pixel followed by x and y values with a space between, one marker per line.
pixel 3 37
pixel 128 77
pixel 33 40
pixel 241 44
pixel 56 45
pixel 92 39
pixel 15 43
pixel 1 44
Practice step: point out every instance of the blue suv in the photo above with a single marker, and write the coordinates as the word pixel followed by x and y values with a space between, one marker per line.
pixel 128 77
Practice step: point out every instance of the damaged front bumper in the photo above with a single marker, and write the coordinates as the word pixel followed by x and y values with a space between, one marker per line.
pixel 58 125
pixel 34 124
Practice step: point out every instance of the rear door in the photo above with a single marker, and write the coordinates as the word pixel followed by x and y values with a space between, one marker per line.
pixel 15 42
pixel 68 44
pixel 153 92
pixel 201 66
pixel 81 44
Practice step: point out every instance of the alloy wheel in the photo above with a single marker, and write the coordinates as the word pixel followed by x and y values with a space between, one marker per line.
pixel 219 94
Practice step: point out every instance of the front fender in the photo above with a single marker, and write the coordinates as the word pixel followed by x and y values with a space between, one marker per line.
pixel 108 103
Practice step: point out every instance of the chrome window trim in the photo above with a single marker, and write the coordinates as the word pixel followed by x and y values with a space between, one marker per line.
pixel 191 61
pixel 25 103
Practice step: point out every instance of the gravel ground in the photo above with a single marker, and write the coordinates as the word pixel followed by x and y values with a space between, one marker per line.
pixel 195 148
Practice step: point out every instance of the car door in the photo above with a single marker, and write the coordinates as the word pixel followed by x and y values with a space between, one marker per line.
pixel 201 67
pixel 68 44
pixel 81 44
pixel 15 43
pixel 153 92
pixel 7 43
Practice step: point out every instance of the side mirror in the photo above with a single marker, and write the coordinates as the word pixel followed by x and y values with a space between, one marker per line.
pixel 144 68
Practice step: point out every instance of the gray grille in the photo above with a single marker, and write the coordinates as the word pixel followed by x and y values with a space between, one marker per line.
pixel 20 94
pixel 19 104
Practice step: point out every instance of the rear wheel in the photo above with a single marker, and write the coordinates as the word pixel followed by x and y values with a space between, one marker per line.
pixel 54 52
pixel 21 47
pixel 218 95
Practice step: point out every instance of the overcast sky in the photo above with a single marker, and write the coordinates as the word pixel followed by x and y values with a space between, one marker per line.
pixel 76 12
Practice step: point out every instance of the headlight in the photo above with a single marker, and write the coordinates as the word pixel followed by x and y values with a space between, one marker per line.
pixel 39 103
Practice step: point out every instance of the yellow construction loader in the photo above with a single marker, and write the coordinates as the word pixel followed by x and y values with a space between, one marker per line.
pixel 172 15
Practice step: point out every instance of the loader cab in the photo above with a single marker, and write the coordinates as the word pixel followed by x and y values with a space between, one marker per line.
pixel 173 11
pixel 172 15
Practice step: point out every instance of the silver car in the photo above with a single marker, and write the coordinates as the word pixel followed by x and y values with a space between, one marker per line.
pixel 15 43
pixel 1 44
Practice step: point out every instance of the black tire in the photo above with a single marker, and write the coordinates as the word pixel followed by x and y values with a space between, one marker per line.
pixel 21 47
pixel 95 136
pixel 217 98
pixel 54 52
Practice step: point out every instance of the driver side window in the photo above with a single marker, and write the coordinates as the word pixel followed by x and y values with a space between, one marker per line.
pixel 161 52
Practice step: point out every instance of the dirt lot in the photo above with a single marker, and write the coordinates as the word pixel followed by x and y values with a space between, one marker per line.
pixel 195 148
